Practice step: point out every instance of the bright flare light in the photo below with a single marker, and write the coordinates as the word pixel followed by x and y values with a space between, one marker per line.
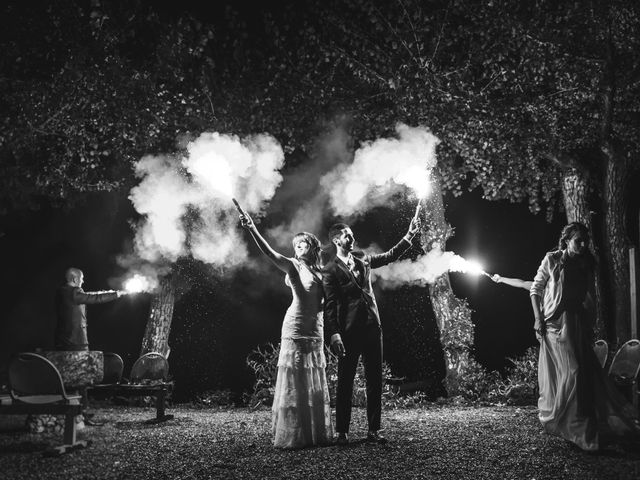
pixel 459 264
pixel 137 284
pixel 416 178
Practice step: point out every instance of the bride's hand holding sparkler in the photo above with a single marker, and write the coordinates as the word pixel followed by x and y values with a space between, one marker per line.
pixel 246 221
pixel 283 263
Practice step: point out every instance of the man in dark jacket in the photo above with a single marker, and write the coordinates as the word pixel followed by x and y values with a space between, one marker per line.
pixel 352 323
pixel 71 326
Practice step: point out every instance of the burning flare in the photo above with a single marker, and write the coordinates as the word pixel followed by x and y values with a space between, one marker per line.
pixel 139 283
pixel 380 167
pixel 425 269
pixel 459 264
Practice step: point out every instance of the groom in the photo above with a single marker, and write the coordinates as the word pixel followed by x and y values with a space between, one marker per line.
pixel 352 323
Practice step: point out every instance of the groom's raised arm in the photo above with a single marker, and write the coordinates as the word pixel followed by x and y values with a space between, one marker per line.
pixel 381 259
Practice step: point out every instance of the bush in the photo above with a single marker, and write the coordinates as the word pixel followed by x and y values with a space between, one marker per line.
pixel 263 361
pixel 473 382
pixel 520 384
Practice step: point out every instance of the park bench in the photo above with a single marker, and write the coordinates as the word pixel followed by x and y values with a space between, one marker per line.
pixel 36 387
pixel 148 378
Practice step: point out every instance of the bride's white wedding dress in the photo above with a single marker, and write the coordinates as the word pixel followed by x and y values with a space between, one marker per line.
pixel 301 410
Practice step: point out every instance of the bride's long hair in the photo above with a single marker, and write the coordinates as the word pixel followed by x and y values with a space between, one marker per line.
pixel 314 248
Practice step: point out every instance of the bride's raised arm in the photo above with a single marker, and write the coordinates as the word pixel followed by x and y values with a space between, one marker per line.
pixel 283 263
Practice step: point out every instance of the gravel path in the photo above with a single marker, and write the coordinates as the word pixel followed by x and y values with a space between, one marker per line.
pixel 440 442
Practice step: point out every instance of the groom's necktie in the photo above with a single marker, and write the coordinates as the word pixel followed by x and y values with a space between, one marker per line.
pixel 351 265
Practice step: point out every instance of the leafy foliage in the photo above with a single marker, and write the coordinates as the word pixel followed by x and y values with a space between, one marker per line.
pixel 473 383
pixel 518 386
pixel 520 383
pixel 263 361
pixel 114 82
pixel 505 85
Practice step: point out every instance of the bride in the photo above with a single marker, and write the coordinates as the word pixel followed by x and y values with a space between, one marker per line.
pixel 301 415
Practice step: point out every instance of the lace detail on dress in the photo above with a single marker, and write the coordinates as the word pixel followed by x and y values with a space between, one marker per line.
pixel 301 413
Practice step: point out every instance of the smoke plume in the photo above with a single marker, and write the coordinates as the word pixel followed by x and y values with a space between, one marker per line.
pixel 380 168
pixel 186 201
pixel 301 197
pixel 423 270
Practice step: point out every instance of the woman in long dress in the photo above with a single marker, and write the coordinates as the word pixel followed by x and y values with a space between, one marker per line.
pixel 577 400
pixel 301 414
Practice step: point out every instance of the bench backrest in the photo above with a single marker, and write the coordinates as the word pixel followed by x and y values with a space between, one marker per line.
pixel 626 362
pixel 32 374
pixel 150 366
pixel 113 367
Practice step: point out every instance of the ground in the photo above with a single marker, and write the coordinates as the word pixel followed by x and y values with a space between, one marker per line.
pixel 433 441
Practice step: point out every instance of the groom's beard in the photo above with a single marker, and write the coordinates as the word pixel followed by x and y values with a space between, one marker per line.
pixel 348 245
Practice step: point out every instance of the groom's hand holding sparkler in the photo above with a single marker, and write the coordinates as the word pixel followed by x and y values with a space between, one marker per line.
pixel 414 226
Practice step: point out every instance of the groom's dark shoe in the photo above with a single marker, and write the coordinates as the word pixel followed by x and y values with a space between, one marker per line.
pixel 342 439
pixel 376 437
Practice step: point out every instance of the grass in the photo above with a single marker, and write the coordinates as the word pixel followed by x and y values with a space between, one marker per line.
pixel 432 441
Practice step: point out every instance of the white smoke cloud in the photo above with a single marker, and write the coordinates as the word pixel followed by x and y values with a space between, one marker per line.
pixel 301 196
pixel 380 167
pixel 162 197
pixel 186 202
pixel 424 270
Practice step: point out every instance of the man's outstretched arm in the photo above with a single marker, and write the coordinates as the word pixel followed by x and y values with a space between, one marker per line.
pixel 82 297
pixel 381 259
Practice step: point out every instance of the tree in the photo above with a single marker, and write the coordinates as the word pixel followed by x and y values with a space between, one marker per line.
pixel 87 90
pixel 534 102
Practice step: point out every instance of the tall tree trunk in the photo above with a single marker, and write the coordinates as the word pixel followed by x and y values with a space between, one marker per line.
pixel 156 335
pixel 575 189
pixel 452 314
pixel 614 189
pixel 617 242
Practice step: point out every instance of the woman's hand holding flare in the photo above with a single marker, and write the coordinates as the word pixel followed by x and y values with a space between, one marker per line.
pixel 246 221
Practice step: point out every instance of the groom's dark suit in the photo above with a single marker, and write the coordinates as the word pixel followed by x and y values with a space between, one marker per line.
pixel 350 309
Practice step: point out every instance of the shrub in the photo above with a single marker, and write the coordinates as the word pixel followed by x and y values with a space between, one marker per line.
pixel 520 384
pixel 263 361
pixel 473 382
